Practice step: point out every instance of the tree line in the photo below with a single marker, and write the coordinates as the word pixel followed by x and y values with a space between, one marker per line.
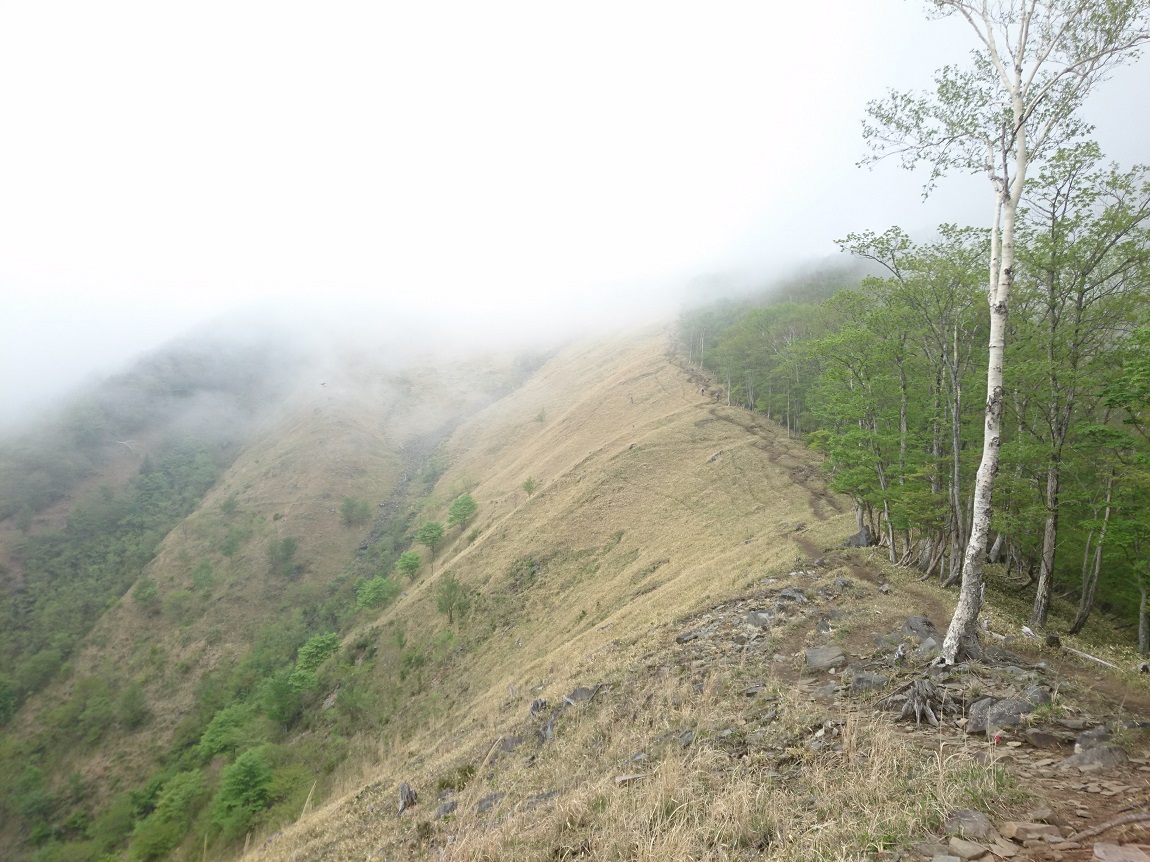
pixel 887 379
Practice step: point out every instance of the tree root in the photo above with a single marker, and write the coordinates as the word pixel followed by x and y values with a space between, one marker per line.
pixel 922 699
pixel 1134 817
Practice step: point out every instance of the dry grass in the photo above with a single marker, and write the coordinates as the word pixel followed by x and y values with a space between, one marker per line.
pixel 654 503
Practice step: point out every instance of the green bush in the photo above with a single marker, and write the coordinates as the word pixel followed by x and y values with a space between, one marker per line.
pixel 462 510
pixel 355 512
pixel 318 647
pixel 231 728
pixel 430 535
pixel 161 831
pixel 376 592
pixel 243 793
pixel 451 598
pixel 281 557
pixel 409 563
pixel 132 709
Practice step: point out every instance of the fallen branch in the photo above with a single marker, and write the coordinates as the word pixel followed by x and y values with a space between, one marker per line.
pixel 1091 657
pixel 1134 817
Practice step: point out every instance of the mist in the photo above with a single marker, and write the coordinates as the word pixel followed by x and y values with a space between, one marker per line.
pixel 438 178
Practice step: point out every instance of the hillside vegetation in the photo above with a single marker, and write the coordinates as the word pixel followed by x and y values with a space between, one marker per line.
pixel 571 602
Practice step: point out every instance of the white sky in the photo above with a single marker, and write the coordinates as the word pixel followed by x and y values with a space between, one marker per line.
pixel 162 162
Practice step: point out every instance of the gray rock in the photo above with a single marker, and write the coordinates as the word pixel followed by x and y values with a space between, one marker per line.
pixel 581 694
pixel 1106 852
pixel 1006 713
pixel 1092 738
pixel 976 717
pixel 884 589
pixel 445 808
pixel 969 824
pixel 1043 739
pixel 864 682
pixel 488 802
pixel 864 538
pixel 407 796
pixel 841 583
pixel 1037 695
pixel 1099 757
pixel 920 626
pixel 759 619
pixel 928 647
pixel 686 738
pixel 793 594
pixel 825 657
pixel 538 705
pixel 964 849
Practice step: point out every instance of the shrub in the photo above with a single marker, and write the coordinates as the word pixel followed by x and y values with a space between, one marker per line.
pixel 409 563
pixel 243 793
pixel 530 485
pixel 430 535
pixel 318 647
pixel 451 598
pixel 354 512
pixel 376 592
pixel 462 510
pixel 281 557
pixel 161 831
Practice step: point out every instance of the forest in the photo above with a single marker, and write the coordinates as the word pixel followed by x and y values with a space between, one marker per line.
pixel 888 379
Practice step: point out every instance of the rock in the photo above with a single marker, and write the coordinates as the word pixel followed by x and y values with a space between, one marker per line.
pixel 1042 739
pixel 964 849
pixel 864 538
pixel 488 802
pixel 884 589
pixel 686 637
pixel 1091 738
pixel 841 583
pixel 686 738
pixel 919 626
pixel 825 657
pixel 1044 815
pixel 1053 640
pixel 1106 852
pixel 1006 713
pixel 864 682
pixel 976 718
pixel 944 857
pixel 445 808
pixel 1003 849
pixel 969 824
pixel 1037 695
pixel 928 647
pixel 407 796
pixel 1102 757
pixel 793 594
pixel 1016 831
pixel 759 619
pixel 1073 723
pixel 581 694
pixel 538 705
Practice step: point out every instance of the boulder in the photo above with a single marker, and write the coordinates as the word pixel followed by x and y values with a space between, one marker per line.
pixel 864 538
pixel 825 657
pixel 969 824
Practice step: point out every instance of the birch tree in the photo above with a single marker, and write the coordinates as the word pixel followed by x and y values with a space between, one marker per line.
pixel 1034 64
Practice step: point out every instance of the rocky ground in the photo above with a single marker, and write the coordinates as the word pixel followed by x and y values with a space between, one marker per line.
pixel 1081 759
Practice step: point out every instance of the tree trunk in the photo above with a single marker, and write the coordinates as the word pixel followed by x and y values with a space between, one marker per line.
pixel 1143 624
pixel 1090 573
pixel 962 634
pixel 1049 543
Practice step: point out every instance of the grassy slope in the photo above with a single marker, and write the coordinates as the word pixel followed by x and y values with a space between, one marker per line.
pixel 658 511
pixel 708 501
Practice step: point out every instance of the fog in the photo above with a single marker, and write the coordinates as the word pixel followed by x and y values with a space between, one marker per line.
pixel 444 174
